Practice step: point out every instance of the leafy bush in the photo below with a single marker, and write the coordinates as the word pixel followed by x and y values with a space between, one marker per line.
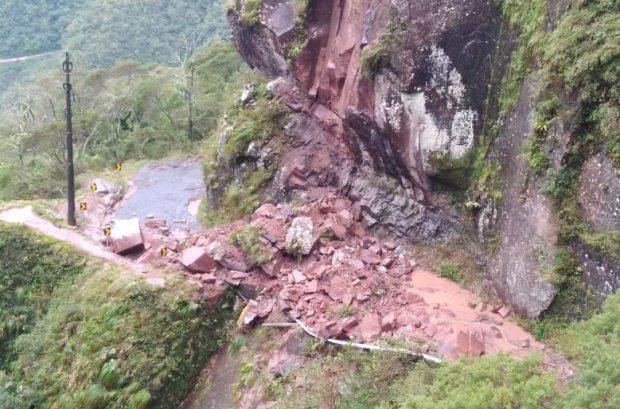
pixel 378 56
pixel 606 243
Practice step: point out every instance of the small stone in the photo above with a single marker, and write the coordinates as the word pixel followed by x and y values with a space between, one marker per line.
pixel 504 312
pixel 388 322
pixel 370 327
pixel 208 278
pixel 298 276
pixel 312 286
pixel 349 324
pixel 388 245
pixel 197 260
pixel 355 264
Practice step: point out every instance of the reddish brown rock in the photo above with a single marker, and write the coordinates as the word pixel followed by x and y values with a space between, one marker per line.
pixel 355 264
pixel 413 298
pixel 369 257
pixel 208 278
pixel 388 245
pixel 298 276
pixel 197 260
pixel 370 327
pixel 461 343
pixel 345 217
pixel 504 312
pixel 148 256
pixel 358 230
pixel 227 256
pixel 126 236
pixel 312 286
pixel 331 229
pixel 349 324
pixel 272 269
pixel 356 211
pixel 388 322
pixel 248 315
pixel 267 210
pixel 154 223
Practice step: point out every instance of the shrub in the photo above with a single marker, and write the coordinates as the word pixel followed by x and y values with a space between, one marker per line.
pixel 248 239
pixel 250 12
pixel 450 271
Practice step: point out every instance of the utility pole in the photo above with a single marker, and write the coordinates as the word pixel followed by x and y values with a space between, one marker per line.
pixel 67 67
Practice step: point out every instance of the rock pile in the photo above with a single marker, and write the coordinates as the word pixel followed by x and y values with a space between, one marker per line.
pixel 325 269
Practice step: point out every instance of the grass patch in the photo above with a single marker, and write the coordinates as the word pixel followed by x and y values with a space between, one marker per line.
pixel 248 239
pixel 450 271
pixel 96 337
pixel 346 311
pixel 605 243
pixel 250 12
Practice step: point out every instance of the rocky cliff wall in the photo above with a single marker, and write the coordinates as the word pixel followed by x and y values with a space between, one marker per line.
pixel 402 89
pixel 401 84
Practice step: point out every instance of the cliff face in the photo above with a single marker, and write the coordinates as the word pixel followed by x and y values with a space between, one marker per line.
pixel 392 96
pixel 400 84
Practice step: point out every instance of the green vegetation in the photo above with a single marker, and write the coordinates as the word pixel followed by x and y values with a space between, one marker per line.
pixel 378 56
pixel 528 18
pixel 259 123
pixel 35 26
pixel 250 12
pixel 93 337
pixel 129 111
pixel 346 311
pixel 31 268
pixel 103 33
pixel 450 271
pixel 238 201
pixel 605 243
pixel 348 379
pixel 248 239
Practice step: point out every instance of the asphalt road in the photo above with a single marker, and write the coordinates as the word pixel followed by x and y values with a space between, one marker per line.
pixel 165 190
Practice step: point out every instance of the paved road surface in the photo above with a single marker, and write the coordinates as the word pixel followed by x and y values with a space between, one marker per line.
pixel 167 191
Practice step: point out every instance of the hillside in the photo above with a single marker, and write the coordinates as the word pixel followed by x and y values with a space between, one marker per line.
pixel 413 204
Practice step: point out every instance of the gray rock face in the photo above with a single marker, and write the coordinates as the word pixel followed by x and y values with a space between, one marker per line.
pixel 126 236
pixel 259 47
pixel 602 275
pixel 599 193
pixel 388 198
pixel 300 235
pixel 526 224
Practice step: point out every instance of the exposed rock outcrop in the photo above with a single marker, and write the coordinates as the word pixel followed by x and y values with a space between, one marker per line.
pixel 525 223
pixel 415 117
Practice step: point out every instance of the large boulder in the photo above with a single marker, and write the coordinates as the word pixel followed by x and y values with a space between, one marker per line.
pixel 197 260
pixel 126 236
pixel 300 238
